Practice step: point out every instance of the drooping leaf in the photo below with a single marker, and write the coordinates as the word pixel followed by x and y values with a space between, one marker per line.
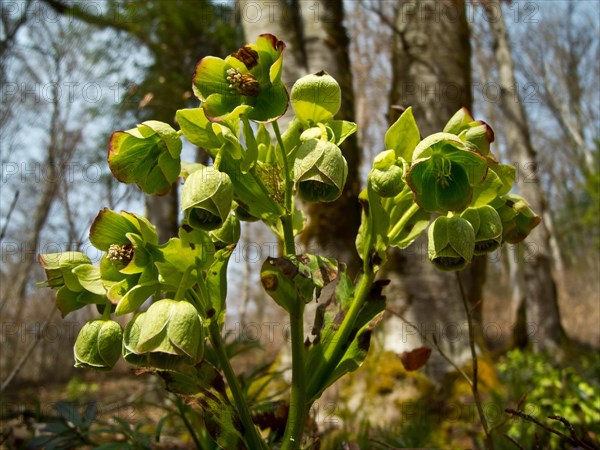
pixel 216 284
pixel 197 128
pixel 328 318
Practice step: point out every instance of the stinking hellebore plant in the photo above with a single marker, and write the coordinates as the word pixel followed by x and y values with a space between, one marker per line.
pixel 449 177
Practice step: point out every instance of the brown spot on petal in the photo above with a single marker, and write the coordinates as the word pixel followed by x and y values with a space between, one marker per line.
pixel 269 282
pixel 248 56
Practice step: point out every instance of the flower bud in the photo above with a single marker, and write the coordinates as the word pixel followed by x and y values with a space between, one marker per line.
pixel 481 136
pixel 59 269
pixel 320 171
pixel 451 243
pixel 316 98
pixel 386 177
pixel 98 345
pixel 487 226
pixel 518 219
pixel 206 198
pixel 459 122
pixel 169 327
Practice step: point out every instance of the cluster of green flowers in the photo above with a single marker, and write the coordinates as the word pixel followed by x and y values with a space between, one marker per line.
pixel 451 175
pixel 186 275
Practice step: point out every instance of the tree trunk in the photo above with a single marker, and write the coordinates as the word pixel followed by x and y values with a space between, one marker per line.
pixel 317 40
pixel 431 73
pixel 539 290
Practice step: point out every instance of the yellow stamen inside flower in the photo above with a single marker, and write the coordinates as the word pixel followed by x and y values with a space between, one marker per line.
pixel 243 83
pixel 122 254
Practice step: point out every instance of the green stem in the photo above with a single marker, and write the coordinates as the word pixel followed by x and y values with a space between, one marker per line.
pixel 195 300
pixel 251 434
pixel 292 438
pixel 107 311
pixel 335 350
pixel 397 229
pixel 474 384
pixel 289 245
pixel 181 288
pixel 289 185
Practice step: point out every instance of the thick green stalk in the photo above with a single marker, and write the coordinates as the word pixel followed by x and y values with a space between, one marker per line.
pixel 292 437
pixel 253 438
pixel 287 219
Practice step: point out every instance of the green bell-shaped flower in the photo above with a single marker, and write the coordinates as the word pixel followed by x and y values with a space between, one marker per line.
pixel 127 269
pixel 246 82
pixel 518 219
pixel 386 177
pixel 206 198
pixel 444 172
pixel 169 333
pixel 147 156
pixel 75 279
pixel 487 226
pixel 59 269
pixel 228 234
pixel 316 98
pixel 320 171
pixel 451 243
pixel 98 345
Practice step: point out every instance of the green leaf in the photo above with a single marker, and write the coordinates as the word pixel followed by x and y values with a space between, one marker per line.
pixel 487 190
pixel 250 191
pixel 507 175
pixel 403 136
pixel 168 135
pixel 89 277
pixel 289 279
pixel 197 128
pixel 202 386
pixel 230 143
pixel 216 284
pixel 177 256
pixel 146 229
pixel 372 240
pixel 327 319
pixel 68 301
pixel 342 129
pixel 135 297
pixel 416 224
